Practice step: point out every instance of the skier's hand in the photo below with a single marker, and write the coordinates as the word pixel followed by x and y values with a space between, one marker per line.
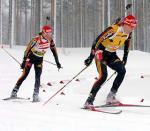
pixel 23 64
pixel 58 65
pixel 117 20
pixel 88 61
pixel 124 62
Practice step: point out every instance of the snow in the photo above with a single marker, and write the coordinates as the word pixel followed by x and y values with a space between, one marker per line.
pixel 63 112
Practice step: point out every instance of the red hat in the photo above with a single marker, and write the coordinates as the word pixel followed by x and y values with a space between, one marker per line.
pixel 46 29
pixel 130 20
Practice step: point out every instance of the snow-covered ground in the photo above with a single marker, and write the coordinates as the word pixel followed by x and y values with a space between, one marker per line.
pixel 63 112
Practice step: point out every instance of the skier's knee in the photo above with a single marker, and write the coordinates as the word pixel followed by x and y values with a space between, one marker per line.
pixel 122 71
pixel 103 76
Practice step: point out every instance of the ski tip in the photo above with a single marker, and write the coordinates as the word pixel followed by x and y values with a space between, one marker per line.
pixel 102 111
pixel 19 98
pixel 119 112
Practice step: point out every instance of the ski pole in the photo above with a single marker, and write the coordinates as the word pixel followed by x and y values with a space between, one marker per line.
pixel 50 62
pixel 64 86
pixel 19 62
pixel 109 78
pixel 11 56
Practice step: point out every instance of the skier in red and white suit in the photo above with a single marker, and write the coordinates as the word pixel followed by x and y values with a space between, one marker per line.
pixel 33 55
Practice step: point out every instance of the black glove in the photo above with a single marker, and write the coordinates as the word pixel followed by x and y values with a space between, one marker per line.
pixel 58 65
pixel 117 20
pixel 124 62
pixel 23 64
pixel 88 61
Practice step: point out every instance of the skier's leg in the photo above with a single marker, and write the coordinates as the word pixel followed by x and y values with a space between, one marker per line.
pixel 120 69
pixel 24 75
pixel 102 70
pixel 38 72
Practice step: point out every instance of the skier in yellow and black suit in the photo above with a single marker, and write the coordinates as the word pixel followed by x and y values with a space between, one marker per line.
pixel 34 55
pixel 104 50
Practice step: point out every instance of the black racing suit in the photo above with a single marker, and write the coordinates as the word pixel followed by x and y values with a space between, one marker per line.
pixel 109 59
pixel 37 61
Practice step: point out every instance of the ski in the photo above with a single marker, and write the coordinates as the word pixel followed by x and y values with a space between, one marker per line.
pixel 17 98
pixel 121 105
pixel 102 110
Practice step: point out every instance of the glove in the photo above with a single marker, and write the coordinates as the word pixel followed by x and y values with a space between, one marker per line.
pixel 88 61
pixel 23 64
pixel 117 20
pixel 58 65
pixel 124 62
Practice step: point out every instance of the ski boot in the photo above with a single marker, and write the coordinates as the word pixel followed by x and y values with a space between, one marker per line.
pixel 89 102
pixel 111 99
pixel 36 97
pixel 14 92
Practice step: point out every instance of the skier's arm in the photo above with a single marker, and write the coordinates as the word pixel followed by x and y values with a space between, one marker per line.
pixel 97 43
pixel 29 47
pixel 103 36
pixel 54 51
pixel 27 51
pixel 126 49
